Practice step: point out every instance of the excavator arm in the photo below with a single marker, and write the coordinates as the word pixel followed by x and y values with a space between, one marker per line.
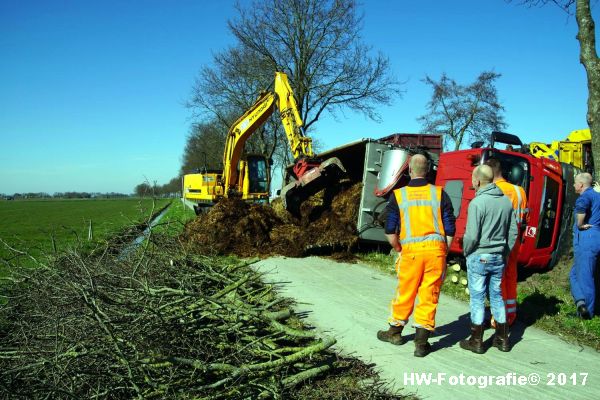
pixel 240 132
pixel 310 172
pixel 300 144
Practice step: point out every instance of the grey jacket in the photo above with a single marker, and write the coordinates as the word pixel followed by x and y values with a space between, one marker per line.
pixel 491 223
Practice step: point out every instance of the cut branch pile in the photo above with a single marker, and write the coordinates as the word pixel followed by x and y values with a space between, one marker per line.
pixel 157 325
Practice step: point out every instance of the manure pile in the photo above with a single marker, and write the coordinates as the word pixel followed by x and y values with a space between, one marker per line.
pixel 327 221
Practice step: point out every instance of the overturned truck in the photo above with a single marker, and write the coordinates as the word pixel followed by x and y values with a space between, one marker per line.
pixel 381 165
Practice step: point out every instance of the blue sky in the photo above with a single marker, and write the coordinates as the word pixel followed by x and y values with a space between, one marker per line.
pixel 92 93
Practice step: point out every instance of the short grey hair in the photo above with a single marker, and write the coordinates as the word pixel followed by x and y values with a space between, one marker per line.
pixel 484 173
pixel 419 165
pixel 585 178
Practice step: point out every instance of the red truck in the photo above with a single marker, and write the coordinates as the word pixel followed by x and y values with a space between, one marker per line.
pixel 382 165
pixel 548 184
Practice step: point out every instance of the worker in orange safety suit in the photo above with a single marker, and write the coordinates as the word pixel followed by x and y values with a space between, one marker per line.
pixel 420 225
pixel 518 198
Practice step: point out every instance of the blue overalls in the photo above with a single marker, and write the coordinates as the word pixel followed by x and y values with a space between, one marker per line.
pixel 586 247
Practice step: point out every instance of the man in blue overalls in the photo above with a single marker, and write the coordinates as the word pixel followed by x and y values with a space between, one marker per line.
pixel 586 245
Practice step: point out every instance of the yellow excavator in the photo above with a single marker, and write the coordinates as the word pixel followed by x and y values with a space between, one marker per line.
pixel 248 176
pixel 576 150
pixel 201 190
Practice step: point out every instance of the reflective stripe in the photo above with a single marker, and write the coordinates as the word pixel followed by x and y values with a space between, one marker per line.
pixel 406 222
pixel 434 207
pixel 511 310
pixel 416 203
pixel 434 237
pixel 511 301
pixel 519 211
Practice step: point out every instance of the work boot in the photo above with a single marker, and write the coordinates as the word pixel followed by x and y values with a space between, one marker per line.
pixel 583 312
pixel 422 347
pixel 501 337
pixel 393 335
pixel 475 342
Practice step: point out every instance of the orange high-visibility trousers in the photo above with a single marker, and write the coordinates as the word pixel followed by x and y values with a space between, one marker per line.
pixel 419 273
pixel 508 285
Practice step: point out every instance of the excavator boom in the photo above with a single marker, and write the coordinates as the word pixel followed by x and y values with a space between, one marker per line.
pixel 311 174
pixel 240 132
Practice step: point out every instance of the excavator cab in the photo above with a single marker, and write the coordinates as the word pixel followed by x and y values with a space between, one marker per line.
pixel 201 189
pixel 254 177
pixel 204 188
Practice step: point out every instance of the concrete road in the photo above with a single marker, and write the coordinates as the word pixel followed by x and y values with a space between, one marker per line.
pixel 350 302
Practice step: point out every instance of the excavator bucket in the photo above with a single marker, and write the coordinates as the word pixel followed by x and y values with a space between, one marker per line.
pixel 311 182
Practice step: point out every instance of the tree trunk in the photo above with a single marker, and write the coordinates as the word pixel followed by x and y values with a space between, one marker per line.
pixel 589 58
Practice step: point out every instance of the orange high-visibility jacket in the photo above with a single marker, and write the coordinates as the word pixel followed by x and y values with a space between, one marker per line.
pixel 421 224
pixel 518 198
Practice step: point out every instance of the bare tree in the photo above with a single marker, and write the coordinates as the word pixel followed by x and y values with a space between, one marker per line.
pixel 317 43
pixel 143 190
pixel 203 148
pixel 462 112
pixel 588 57
pixel 223 93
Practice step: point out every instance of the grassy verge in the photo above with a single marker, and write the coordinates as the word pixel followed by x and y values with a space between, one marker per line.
pixel 544 299
pixel 545 302
pixel 41 227
pixel 174 220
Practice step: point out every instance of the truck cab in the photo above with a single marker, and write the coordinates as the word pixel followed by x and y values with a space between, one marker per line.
pixel 548 184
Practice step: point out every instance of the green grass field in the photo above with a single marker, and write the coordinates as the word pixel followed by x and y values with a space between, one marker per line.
pixel 44 226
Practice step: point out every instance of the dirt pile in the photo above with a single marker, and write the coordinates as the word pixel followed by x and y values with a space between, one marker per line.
pixel 327 222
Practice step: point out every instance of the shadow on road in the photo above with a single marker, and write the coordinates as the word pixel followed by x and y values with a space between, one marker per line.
pixel 537 305
pixel 453 332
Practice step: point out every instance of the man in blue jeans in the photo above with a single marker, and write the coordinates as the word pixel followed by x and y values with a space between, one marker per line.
pixel 586 245
pixel 490 235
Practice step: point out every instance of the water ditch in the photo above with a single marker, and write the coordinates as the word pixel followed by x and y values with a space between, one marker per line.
pixel 140 239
